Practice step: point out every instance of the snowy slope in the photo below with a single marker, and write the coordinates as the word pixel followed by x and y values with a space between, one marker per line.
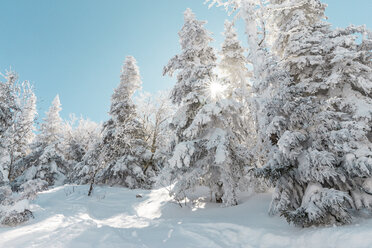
pixel 114 217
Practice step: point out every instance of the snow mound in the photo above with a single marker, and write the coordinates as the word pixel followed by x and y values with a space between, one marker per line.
pixel 115 217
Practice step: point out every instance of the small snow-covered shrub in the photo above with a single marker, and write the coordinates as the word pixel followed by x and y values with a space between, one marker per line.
pixel 14 218
pixel 13 208
pixel 321 206
pixel 30 188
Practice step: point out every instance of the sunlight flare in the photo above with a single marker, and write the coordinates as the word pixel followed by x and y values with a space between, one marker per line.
pixel 216 90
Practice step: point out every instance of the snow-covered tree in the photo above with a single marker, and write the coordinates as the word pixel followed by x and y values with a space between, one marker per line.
pixel 121 156
pixel 21 133
pixel 320 152
pixel 25 120
pixel 267 78
pixel 80 136
pixel 233 64
pixel 8 108
pixel 214 156
pixel 51 130
pixel 17 112
pixel 19 107
pixel 195 67
pixel 154 113
pixel 46 161
pixel 320 125
pixel 8 102
pixel 323 152
pixel 208 127
pixel 239 80
pixel 14 208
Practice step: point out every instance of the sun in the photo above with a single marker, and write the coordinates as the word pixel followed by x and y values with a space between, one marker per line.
pixel 216 89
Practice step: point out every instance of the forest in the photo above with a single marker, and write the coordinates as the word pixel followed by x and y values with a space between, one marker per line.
pixel 291 114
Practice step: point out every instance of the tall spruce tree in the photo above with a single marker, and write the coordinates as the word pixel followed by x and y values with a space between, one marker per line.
pixel 238 82
pixel 207 126
pixel 51 130
pixel 125 152
pixel 21 133
pixel 8 108
pixel 16 120
pixel 322 155
pixel 46 161
pixel 122 154
pixel 233 64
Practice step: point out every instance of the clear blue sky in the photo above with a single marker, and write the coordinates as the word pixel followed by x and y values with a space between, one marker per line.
pixel 76 47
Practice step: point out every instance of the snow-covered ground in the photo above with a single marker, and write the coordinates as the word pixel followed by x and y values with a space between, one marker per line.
pixel 114 217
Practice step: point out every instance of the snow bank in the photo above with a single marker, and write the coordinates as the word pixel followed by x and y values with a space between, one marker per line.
pixel 114 217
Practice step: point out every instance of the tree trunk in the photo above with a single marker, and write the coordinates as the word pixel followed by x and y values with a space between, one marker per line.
pixel 91 188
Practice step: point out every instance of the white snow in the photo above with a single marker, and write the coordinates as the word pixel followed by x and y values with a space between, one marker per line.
pixel 114 217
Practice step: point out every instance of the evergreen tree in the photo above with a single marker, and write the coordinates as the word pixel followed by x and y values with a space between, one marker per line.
pixel 80 136
pixel 21 133
pixel 17 111
pixel 46 161
pixel 122 154
pixel 51 130
pixel 195 72
pixel 8 103
pixel 208 127
pixel 8 108
pixel 233 64
pixel 267 78
pixel 322 151
pixel 238 87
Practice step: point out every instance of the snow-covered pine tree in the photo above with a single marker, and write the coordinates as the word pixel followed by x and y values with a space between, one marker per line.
pixel 8 108
pixel 207 126
pixel 214 155
pixel 123 151
pixel 322 154
pixel 8 100
pixel 266 80
pixel 238 87
pixel 21 133
pixel 51 130
pixel 15 128
pixel 46 161
pixel 195 72
pixel 25 121
pixel 13 208
pixel 233 64
pixel 80 136
pixel 265 77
